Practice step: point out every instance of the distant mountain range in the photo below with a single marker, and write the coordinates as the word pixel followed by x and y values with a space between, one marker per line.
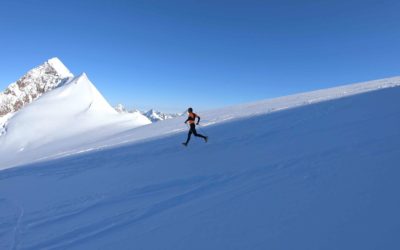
pixel 153 115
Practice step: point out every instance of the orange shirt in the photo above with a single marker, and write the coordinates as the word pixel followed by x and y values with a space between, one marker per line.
pixel 191 118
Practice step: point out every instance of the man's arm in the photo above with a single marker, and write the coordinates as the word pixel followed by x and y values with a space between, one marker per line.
pixel 187 120
pixel 198 120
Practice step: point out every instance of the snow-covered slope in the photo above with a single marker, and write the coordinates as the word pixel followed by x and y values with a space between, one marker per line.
pixel 318 176
pixel 70 115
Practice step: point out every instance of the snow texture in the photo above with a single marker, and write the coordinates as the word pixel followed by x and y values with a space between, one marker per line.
pixel 312 171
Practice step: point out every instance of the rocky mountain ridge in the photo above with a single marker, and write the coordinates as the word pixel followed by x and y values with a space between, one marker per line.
pixel 32 85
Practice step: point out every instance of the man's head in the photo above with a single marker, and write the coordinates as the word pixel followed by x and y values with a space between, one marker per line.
pixel 190 110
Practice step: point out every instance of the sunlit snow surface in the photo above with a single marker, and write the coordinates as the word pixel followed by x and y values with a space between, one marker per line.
pixel 313 176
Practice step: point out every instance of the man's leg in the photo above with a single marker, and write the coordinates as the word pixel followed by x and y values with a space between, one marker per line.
pixel 198 135
pixel 188 137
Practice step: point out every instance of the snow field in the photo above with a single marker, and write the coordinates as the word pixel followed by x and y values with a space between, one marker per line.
pixel 319 176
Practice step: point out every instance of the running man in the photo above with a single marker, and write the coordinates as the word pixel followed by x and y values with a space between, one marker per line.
pixel 191 119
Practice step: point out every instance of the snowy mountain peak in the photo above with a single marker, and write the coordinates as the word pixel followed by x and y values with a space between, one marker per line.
pixel 120 108
pixel 156 116
pixel 58 66
pixel 89 93
pixel 32 85
pixel 71 107
pixel 83 78
pixel 65 114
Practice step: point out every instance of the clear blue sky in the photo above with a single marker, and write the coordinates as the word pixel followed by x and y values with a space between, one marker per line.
pixel 174 54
